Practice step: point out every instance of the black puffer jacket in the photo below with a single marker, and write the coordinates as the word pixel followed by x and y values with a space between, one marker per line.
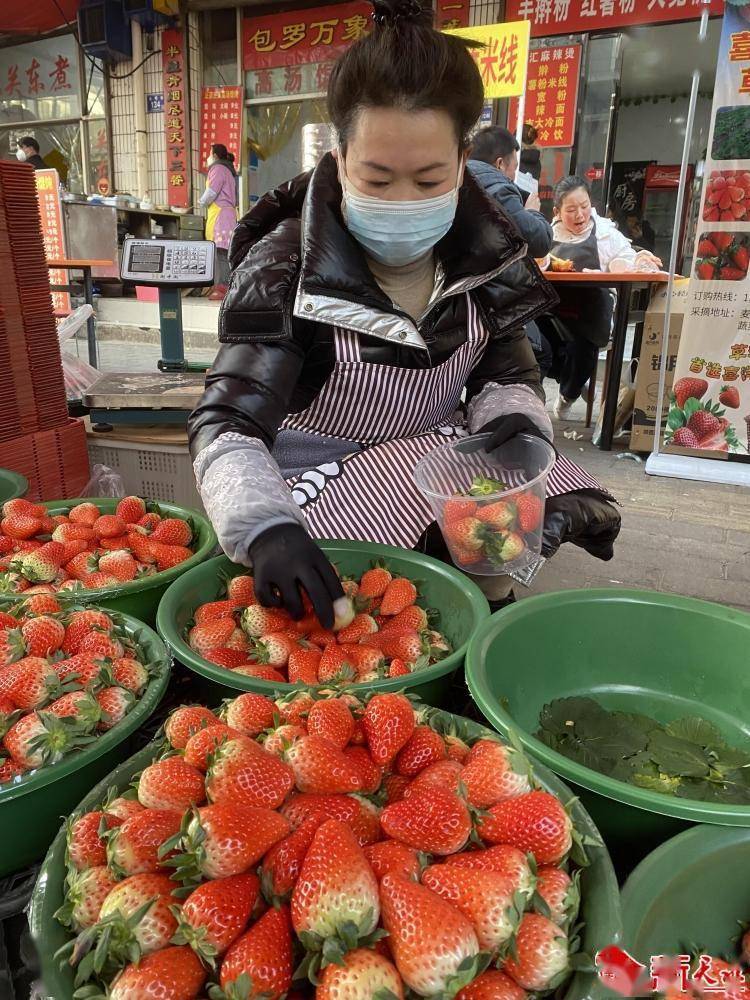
pixel 297 272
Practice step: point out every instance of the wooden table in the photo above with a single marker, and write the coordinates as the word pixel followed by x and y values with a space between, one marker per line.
pixel 83 265
pixel 624 284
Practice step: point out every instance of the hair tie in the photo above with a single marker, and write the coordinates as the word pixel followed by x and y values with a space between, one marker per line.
pixel 390 13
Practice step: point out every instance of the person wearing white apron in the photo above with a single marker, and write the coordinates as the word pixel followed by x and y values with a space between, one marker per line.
pixel 376 309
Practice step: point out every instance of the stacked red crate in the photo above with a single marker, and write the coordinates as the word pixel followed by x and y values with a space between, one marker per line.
pixel 38 438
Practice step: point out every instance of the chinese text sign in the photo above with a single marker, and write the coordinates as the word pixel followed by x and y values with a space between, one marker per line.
pixel 502 61
pixel 563 17
pixel 710 403
pixel 317 35
pixel 50 211
pixel 221 120
pixel 551 95
pixel 175 124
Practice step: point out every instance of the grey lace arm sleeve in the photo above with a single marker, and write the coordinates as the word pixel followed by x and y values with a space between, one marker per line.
pixel 499 400
pixel 243 492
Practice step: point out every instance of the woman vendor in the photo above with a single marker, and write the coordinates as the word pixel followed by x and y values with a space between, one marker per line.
pixel 220 197
pixel 365 298
pixel 592 243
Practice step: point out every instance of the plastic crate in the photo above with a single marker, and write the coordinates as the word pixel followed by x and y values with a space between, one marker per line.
pixel 154 471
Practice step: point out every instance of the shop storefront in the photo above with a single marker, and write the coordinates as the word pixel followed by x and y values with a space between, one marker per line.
pixel 49 92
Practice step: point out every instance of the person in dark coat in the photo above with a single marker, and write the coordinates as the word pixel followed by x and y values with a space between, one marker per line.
pixel 367 300
pixel 28 152
pixel 494 161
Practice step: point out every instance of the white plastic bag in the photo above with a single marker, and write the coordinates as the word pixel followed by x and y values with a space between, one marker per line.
pixel 79 374
pixel 104 482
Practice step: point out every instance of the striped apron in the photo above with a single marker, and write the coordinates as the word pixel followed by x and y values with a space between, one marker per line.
pixel 397 415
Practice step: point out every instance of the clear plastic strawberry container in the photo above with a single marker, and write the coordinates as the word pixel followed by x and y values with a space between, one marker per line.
pixel 489 505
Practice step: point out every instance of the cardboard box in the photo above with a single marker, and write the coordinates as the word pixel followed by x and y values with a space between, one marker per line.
pixel 649 363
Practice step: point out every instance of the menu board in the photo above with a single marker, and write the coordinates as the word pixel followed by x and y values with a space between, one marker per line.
pixel 551 95
pixel 221 120
pixel 50 211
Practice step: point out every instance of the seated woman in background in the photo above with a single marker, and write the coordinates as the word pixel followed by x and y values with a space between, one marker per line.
pixel 592 243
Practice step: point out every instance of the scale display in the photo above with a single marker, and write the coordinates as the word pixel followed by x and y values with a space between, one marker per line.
pixel 170 263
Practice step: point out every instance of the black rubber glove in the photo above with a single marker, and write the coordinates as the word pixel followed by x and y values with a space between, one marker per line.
pixel 504 428
pixel 582 518
pixel 285 561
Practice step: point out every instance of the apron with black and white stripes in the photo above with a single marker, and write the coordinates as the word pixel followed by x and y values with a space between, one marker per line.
pixel 397 415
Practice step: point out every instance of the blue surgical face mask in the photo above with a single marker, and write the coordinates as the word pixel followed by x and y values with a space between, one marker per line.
pixel 397 232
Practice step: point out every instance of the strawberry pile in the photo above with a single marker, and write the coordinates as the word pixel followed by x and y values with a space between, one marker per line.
pixel 727 196
pixel 42 553
pixel 722 257
pixel 693 422
pixel 323 847
pixel 65 678
pixel 489 535
pixel 381 632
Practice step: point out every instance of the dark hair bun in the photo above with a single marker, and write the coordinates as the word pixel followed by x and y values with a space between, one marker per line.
pixel 391 12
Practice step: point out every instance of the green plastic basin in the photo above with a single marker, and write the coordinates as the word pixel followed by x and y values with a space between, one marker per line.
pixel 461 604
pixel 661 900
pixel 638 651
pixel 139 598
pixel 32 805
pixel 600 909
pixel 12 485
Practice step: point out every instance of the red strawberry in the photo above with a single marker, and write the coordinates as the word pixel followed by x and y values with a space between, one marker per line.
pixel 214 611
pixel 394 858
pixel 133 848
pixel 541 954
pixel 172 531
pixel 405 644
pixel 115 703
pixel 81 706
pixel 320 767
pixel 559 893
pixel 457 509
pixel 84 897
pixel 241 590
pixel 205 742
pixel 230 659
pixel 43 636
pixel 243 773
pixel 731 274
pixel 258 621
pixel 467 535
pixel 171 974
pixel 40 738
pixel 33 683
pixel 434 946
pixel 85 670
pixel 100 581
pixel 82 566
pixel 304 663
pixel 433 819
pixel 706 248
pixel 119 564
pixel 130 674
pixel 730 396
pixel 534 822
pixel 84 513
pixel 39 566
pixel 741 257
pixel 398 668
pixel 444 774
pixel 366 824
pixel 260 672
pixel 500 515
pixel 12 647
pixel 494 772
pixel 141 547
pixel 10 769
pixel 131 509
pixel 336 888
pixel 423 748
pixel 299 807
pixel 703 423
pixel 331 719
pixel 251 714
pixel 273 648
pixel 79 626
pixel 492 985
pixel 370 662
pixel 485 898
pixel 212 635
pixel 361 626
pixel 370 773
pixel 152 931
pixel 20 525
pixel 85 846
pixel 101 645
pixel 19 505
pixel 216 913
pixel 261 958
pixel 282 737
pixel 218 841
pixel 388 722
pixel 109 526
pixel 685 438
pixel 413 618
pixel 530 509
pixel 374 582
pixel 363 975
pixel 399 594
pixel 185 721
pixel 337 663
pixel 67 533
pixel 281 865
pixel 689 388
pixel 123 808
pixel 171 784
pixel 38 604
pixel 503 859
pixel 456 748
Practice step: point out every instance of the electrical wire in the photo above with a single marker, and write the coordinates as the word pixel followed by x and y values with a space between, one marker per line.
pixel 103 68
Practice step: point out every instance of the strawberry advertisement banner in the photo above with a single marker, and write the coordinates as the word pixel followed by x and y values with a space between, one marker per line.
pixel 709 410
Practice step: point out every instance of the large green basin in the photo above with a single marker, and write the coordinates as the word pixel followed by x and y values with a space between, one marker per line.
pixel 658 654
pixel 600 911
pixel 12 485
pixel 139 598
pixel 461 604
pixel 693 890
pixel 31 805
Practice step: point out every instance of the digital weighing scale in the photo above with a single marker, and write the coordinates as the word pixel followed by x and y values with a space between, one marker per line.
pixel 166 397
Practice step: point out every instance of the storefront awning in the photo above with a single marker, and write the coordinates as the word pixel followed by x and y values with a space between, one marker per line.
pixel 36 16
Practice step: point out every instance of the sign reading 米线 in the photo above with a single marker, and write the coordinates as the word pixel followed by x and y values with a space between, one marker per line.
pixel 503 60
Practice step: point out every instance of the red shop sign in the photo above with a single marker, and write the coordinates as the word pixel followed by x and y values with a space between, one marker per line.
pixel 53 232
pixel 662 177
pixel 451 14
pixel 221 120
pixel 317 35
pixel 175 123
pixel 563 17
pixel 551 95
